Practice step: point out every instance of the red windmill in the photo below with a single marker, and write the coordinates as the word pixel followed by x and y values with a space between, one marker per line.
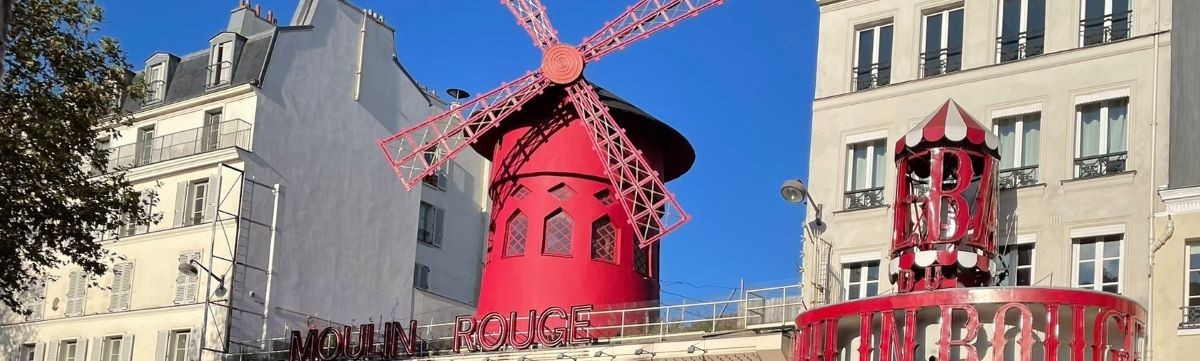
pixel 573 166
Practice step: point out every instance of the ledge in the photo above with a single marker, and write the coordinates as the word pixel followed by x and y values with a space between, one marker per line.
pixel 1121 178
pixel 862 212
pixel 1032 190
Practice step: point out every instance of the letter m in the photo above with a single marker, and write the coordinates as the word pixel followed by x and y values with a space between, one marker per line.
pixel 304 349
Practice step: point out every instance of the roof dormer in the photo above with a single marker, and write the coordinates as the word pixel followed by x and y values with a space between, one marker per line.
pixel 159 69
pixel 223 53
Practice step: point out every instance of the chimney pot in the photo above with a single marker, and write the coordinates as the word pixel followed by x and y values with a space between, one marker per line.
pixel 257 9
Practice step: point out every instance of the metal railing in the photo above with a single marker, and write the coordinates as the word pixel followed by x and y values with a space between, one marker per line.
pixel 942 62
pixel 1191 317
pixel 1019 177
pixel 864 198
pixel 229 133
pixel 1010 47
pixel 1100 165
pixel 1103 29
pixel 871 76
pixel 219 74
pixel 762 308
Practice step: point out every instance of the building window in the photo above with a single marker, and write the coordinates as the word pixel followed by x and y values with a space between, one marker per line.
pixel 1100 141
pixel 1191 307
pixel 1019 262
pixel 197 199
pixel 122 284
pixel 210 133
pixel 641 259
pixel 604 240
pixel 421 277
pixel 145 146
pixel 186 285
pixel 558 234
pixel 1019 149
pixel 942 42
pixel 429 224
pixel 518 227
pixel 111 349
pixel 862 279
pixel 34 301
pixel 873 57
pixel 605 197
pixel 864 175
pixel 177 345
pixel 156 83
pixel 1098 263
pixel 77 285
pixel 29 352
pixel 220 68
pixel 437 178
pixel 1022 29
pixel 562 192
pixel 1103 21
pixel 68 350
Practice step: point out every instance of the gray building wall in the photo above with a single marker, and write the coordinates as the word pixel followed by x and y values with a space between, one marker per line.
pixel 1185 108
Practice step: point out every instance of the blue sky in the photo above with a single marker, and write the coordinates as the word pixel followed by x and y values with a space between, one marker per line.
pixel 737 81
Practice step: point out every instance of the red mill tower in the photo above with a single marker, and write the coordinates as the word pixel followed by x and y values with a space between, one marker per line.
pixel 941 265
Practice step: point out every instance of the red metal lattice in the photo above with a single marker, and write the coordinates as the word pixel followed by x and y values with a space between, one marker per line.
pixel 652 209
pixel 518 227
pixel 604 240
pixel 558 235
pixel 562 192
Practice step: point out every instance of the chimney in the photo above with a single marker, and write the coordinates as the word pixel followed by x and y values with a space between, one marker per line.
pixel 248 20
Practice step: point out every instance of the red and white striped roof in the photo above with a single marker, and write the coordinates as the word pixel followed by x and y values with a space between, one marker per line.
pixel 949 123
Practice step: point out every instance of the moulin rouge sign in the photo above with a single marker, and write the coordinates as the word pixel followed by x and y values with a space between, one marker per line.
pixel 551 328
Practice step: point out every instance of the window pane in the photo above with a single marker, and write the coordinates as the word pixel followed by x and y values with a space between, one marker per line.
pixel 1036 15
pixel 1194 283
pixel 879 164
pixel 1007 130
pixel 1112 248
pixel 853 292
pixel 1194 257
pixel 1087 274
pixel 1025 256
pixel 873 272
pixel 1089 130
pixel 866 47
pixel 1030 140
pixel 954 37
pixel 855 274
pixel 933 36
pixel 1116 126
pixel 872 289
pixel 1011 24
pixel 860 167
pixel 1110 288
pixel 1112 271
pixel 1024 277
pixel 1087 251
pixel 885 46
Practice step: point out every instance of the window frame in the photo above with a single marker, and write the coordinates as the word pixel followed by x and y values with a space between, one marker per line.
pixel 508 235
pixel 71 344
pixel 210 132
pixel 1108 23
pixel 156 80
pixel 220 65
pixel 871 145
pixel 944 51
pixel 1018 153
pixel 29 352
pixel 1012 261
pixel 1187 276
pixel 110 349
pixel 876 67
pixel 1105 139
pixel 864 278
pixel 173 345
pixel 1023 28
pixel 559 215
pixel 196 194
pixel 421 276
pixel 613 240
pixel 1098 259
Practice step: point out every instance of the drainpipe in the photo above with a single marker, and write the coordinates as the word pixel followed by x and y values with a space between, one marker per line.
pixel 1156 244
pixel 275 190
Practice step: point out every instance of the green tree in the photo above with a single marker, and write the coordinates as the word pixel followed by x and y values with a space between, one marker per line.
pixel 59 93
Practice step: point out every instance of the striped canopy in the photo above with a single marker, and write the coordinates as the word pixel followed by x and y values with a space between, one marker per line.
pixel 949 123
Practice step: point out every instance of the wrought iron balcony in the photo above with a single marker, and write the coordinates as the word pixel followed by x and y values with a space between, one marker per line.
pixel 1100 165
pixel 1018 177
pixel 942 62
pixel 1010 47
pixel 864 198
pixel 219 74
pixel 872 76
pixel 1103 29
pixel 229 133
pixel 1191 317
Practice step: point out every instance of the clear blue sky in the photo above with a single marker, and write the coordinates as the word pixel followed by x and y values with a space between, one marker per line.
pixel 737 81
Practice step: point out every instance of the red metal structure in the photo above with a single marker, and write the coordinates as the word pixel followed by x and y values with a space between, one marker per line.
pixel 941 253
pixel 578 174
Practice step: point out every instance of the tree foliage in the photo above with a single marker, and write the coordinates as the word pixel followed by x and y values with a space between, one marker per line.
pixel 60 93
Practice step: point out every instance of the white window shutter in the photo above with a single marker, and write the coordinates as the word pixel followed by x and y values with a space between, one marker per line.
pixel 185 284
pixel 97 348
pixel 80 348
pixel 35 301
pixel 126 352
pixel 440 214
pixel 210 199
pixel 122 282
pixel 181 196
pixel 193 345
pixel 160 348
pixel 193 281
pixel 39 351
pixel 52 350
pixel 76 293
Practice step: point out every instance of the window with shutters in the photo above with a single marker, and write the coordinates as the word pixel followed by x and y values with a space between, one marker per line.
pixel 111 349
pixel 421 277
pixel 76 292
pixel 156 83
pixel 210 133
pixel 34 301
pixel 196 201
pixel 557 240
pixel 186 285
pixel 145 153
pixel 429 224
pixel 604 240
pixel 516 230
pixel 177 345
pixel 220 67
pixel 68 350
pixel 122 283
pixel 29 352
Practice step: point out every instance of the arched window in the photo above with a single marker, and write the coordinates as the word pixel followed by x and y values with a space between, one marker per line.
pixel 558 234
pixel 641 259
pixel 604 240
pixel 514 244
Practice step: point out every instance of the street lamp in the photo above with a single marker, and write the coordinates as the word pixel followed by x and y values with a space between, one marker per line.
pixel 795 191
pixel 189 268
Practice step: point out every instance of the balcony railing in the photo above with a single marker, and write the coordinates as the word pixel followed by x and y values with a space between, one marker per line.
pixel 942 62
pixel 864 198
pixel 1103 29
pixel 1100 165
pixel 872 76
pixel 1018 177
pixel 229 133
pixel 1010 47
pixel 1191 317
pixel 156 91
pixel 219 74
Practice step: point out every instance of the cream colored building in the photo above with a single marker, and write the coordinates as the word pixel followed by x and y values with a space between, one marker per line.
pixel 262 152
pixel 1079 91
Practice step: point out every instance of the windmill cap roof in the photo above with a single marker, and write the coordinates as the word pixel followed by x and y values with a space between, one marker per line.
pixel 949 123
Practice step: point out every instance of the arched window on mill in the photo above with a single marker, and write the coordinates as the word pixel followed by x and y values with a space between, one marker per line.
pixel 604 240
pixel 557 240
pixel 514 243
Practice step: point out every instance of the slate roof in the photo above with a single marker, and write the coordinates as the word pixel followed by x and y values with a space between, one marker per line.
pixel 189 76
